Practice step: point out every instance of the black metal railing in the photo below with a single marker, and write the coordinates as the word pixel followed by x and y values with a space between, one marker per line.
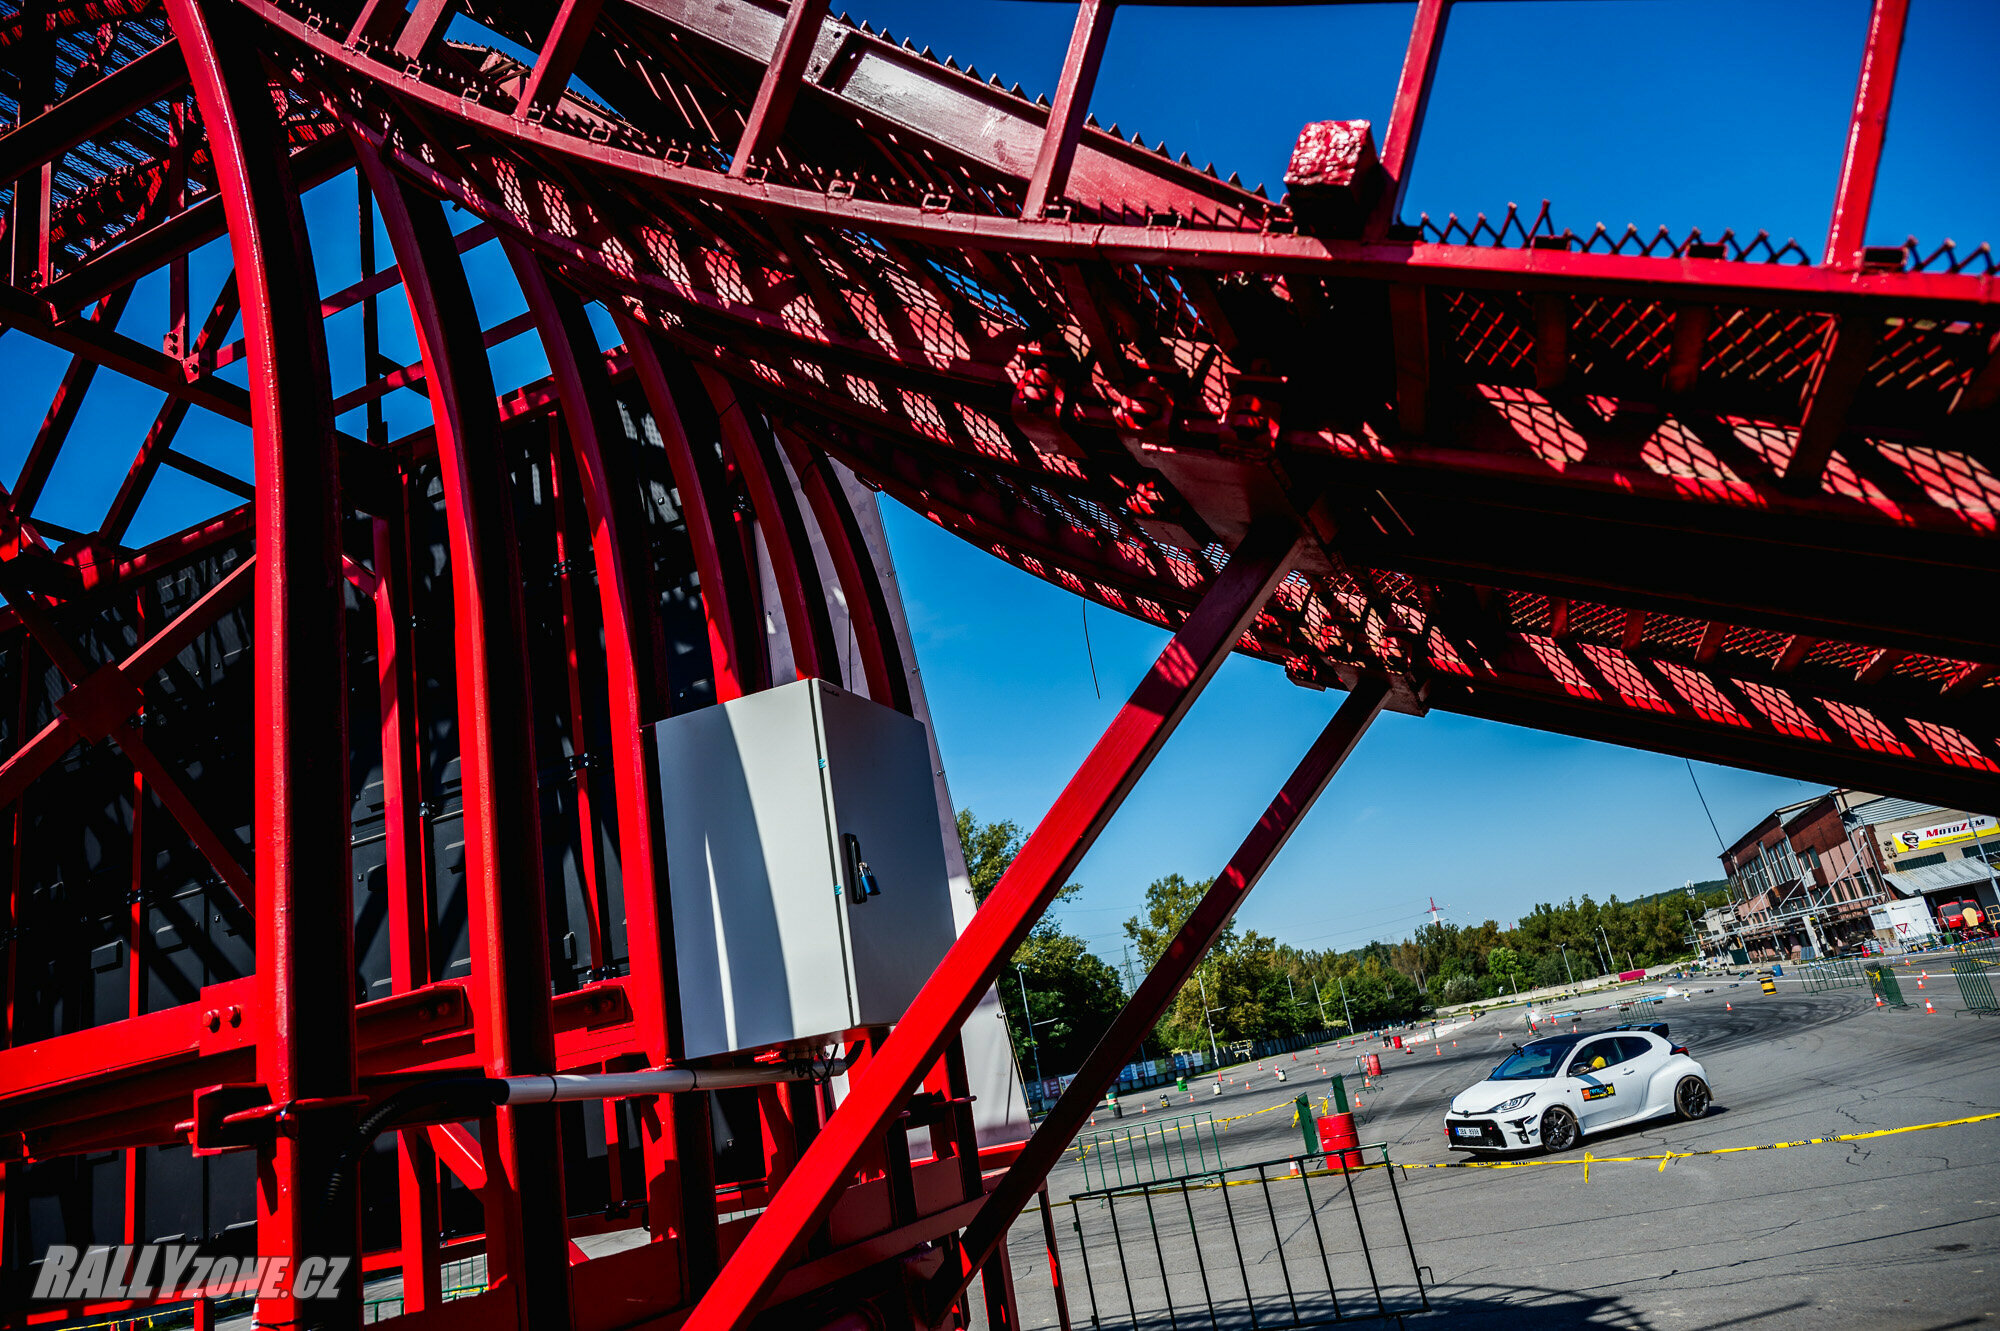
pixel 1278 1244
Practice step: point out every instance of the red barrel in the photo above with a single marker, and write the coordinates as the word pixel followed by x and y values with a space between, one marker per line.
pixel 1399 1041
pixel 1374 1065
pixel 1337 1138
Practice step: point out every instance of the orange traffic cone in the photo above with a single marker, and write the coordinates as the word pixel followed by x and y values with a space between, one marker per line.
pixel 1879 1002
pixel 1728 1007
pixel 1438 1050
pixel 1928 1008
pixel 1920 984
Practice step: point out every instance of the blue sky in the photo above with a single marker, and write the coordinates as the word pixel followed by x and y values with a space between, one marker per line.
pixel 1677 112
pixel 1648 111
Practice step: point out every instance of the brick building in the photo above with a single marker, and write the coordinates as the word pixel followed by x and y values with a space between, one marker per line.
pixel 1803 879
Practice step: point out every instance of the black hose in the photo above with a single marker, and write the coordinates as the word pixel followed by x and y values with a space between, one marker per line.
pixel 462 1097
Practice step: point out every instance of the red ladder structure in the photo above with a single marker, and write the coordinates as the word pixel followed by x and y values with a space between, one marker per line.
pixel 347 788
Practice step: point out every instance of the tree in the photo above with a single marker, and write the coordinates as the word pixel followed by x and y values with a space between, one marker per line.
pixel 1072 995
pixel 989 849
pixel 1075 993
pixel 1239 975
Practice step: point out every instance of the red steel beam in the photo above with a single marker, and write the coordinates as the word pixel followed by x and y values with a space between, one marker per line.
pixel 727 599
pixel 76 381
pixel 807 626
pixel 503 856
pixel 1211 915
pixel 780 85
pixel 1406 115
pixel 305 962
pixel 549 79
pixel 1023 893
pixel 635 661
pixel 1057 152
pixel 91 111
pixel 860 582
pixel 1846 233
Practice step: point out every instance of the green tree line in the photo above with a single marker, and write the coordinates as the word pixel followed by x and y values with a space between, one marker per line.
pixel 1254 987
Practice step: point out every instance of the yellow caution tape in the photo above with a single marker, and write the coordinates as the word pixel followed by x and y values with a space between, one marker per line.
pixel 1588 1159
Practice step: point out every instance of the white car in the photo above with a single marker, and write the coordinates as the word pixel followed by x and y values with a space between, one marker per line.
pixel 1551 1092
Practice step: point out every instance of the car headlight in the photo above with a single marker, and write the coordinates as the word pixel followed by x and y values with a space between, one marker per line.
pixel 1514 1103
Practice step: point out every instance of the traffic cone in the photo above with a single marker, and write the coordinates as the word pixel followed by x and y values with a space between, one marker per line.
pixel 1879 1002
pixel 1920 984
pixel 1438 1050
pixel 1928 1008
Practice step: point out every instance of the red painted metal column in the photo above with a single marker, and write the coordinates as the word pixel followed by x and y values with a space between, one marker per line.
pixel 727 597
pixel 304 918
pixel 867 606
pixel 678 1188
pixel 1079 814
pixel 807 625
pixel 527 1233
pixel 987 1233
pixel 1866 131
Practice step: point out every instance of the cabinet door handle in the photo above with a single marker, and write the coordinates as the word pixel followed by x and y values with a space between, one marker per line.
pixel 860 880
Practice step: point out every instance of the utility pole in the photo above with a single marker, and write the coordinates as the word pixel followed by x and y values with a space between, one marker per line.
pixel 1566 970
pixel 1345 1010
pixel 1319 996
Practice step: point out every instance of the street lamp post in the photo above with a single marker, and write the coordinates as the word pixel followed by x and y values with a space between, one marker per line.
pixel 1610 961
pixel 1345 1010
pixel 1566 970
pixel 1028 1018
pixel 1214 1051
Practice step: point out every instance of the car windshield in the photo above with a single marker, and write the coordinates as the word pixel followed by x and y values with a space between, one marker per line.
pixel 1534 1062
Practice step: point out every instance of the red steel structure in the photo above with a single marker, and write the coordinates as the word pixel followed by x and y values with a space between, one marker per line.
pixel 349 788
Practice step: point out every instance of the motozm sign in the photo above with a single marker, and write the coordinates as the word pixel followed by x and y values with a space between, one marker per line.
pixel 1939 834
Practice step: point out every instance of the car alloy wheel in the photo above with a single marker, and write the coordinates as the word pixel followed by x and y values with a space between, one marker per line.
pixel 1559 1131
pixel 1691 1097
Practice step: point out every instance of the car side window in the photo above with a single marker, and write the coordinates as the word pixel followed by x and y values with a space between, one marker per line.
pixel 1595 1057
pixel 1633 1046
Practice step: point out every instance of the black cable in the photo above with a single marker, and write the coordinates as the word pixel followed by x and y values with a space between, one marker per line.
pixel 1704 806
pixel 463 1097
pixel 1088 654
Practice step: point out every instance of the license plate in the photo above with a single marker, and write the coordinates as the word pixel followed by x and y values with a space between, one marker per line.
pixel 1469 1132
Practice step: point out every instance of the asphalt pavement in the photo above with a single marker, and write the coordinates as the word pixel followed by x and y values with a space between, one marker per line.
pixel 1896 1232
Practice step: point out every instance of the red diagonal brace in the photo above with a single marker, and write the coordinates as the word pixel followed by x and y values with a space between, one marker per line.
pixel 780 86
pixel 1203 926
pixel 1057 152
pixel 1017 902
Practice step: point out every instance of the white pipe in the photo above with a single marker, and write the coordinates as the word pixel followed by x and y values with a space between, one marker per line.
pixel 541 1090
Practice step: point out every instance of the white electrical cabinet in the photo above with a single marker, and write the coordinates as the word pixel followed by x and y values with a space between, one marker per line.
pixel 805 863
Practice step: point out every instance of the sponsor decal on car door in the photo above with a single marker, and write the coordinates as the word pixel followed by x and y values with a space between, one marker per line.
pixel 1593 1071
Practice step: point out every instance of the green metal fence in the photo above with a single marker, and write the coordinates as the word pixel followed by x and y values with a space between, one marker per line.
pixel 1975 986
pixel 1883 981
pixel 1834 973
pixel 1148 1149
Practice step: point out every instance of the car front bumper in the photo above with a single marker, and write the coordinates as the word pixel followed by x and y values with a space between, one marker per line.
pixel 1510 1132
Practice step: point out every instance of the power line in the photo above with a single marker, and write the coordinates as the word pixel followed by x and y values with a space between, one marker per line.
pixel 1704 806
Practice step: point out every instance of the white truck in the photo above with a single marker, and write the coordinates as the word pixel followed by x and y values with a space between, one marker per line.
pixel 1903 921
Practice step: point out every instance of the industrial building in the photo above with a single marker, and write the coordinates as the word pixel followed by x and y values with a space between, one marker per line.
pixel 1806 878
